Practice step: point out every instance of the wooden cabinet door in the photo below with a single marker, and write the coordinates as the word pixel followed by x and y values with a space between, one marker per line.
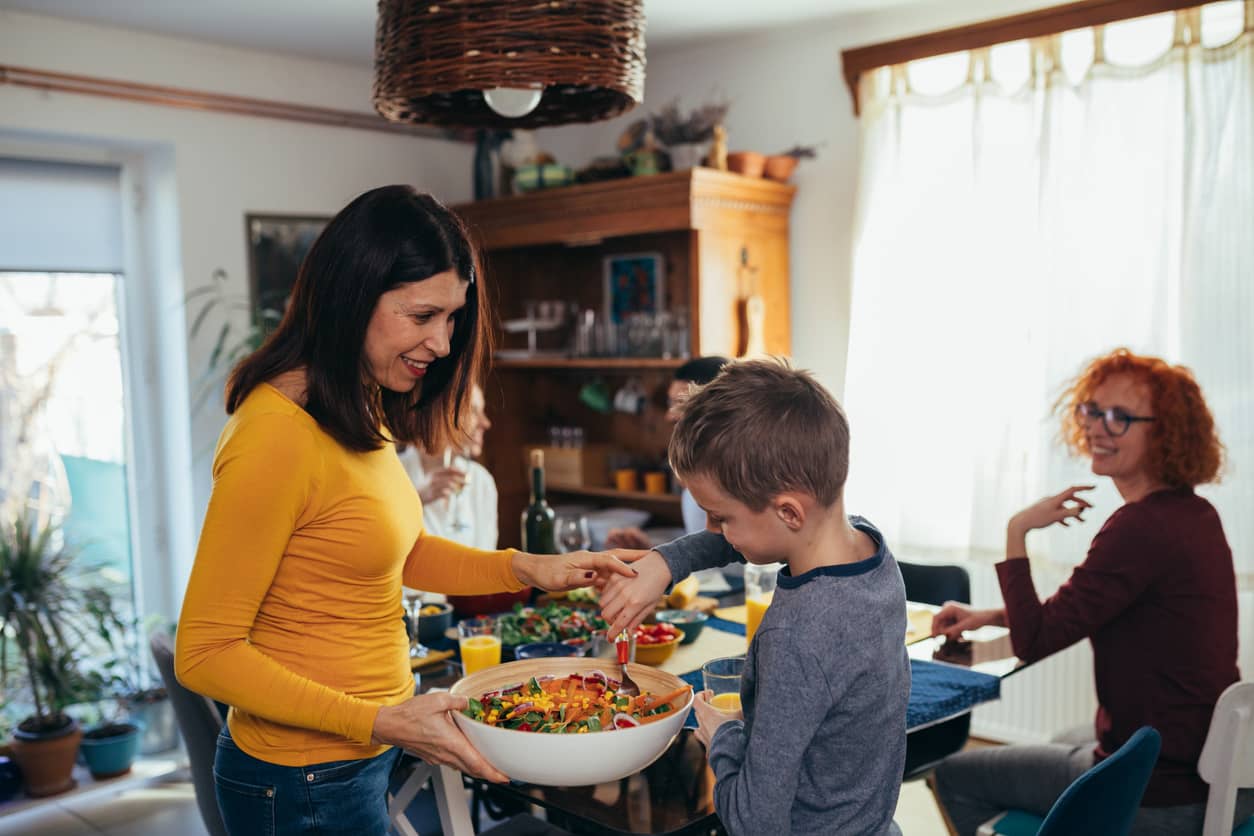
pixel 732 266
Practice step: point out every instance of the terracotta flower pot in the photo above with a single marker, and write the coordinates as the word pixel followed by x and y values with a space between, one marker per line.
pixel 47 760
pixel 748 163
pixel 780 167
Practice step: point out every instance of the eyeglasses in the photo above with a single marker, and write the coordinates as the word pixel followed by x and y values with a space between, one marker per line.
pixel 1114 419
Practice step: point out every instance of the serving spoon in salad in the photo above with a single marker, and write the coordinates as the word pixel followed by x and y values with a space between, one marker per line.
pixel 626 686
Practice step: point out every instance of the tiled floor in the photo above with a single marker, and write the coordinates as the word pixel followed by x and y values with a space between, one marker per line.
pixel 170 810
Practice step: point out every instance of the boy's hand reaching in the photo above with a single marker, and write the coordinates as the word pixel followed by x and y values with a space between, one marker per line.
pixel 710 718
pixel 625 601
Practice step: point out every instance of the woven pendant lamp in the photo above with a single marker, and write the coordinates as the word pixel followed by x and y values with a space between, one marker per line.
pixel 539 62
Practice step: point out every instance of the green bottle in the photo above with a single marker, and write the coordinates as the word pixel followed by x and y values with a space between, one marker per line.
pixel 539 521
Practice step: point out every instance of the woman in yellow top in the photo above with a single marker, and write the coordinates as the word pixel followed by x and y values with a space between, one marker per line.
pixel 293 611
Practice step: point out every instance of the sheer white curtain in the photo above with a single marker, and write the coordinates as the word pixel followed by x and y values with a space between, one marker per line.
pixel 1052 204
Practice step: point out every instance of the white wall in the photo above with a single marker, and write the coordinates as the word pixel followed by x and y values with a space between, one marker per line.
pixel 785 87
pixel 192 177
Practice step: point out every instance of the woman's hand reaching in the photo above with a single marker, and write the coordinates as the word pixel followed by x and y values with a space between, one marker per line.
pixel 568 571
pixel 422 725
pixel 954 618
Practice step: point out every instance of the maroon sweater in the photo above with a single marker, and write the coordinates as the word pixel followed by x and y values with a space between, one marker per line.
pixel 1157 597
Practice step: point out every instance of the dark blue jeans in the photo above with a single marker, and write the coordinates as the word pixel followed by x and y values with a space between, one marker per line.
pixel 258 798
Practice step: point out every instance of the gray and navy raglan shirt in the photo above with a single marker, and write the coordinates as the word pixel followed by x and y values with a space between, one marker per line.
pixel 827 678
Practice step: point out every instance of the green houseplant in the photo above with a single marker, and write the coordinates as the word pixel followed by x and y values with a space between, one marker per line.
pixel 46 614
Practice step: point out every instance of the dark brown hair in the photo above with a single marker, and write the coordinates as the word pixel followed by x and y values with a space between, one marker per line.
pixel 1184 447
pixel 385 238
pixel 762 428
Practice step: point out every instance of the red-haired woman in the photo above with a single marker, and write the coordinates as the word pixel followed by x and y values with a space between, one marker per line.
pixel 1155 595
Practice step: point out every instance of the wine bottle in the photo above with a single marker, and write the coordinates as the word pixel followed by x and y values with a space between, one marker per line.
pixel 539 521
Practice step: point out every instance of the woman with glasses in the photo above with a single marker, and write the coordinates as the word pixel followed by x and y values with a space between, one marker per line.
pixel 1155 595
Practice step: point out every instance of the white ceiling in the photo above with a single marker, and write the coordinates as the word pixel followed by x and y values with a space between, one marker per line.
pixel 343 30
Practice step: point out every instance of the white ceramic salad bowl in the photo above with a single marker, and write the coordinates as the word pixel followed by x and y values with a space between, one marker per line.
pixel 564 760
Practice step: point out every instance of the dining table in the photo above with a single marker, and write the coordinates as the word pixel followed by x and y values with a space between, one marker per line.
pixel 675 794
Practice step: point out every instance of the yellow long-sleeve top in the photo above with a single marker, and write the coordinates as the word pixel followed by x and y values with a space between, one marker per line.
pixel 293 611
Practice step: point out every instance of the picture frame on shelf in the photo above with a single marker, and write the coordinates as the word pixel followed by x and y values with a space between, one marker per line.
pixel 277 244
pixel 634 283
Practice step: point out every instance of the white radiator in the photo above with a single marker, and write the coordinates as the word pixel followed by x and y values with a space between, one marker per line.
pixel 1054 695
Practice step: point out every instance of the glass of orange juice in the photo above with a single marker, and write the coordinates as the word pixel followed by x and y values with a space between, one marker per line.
pixel 759 590
pixel 722 676
pixel 479 641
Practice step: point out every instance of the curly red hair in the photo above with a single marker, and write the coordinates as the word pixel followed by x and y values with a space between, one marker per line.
pixel 1184 448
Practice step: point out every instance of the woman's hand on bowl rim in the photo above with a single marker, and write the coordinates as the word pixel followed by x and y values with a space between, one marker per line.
pixel 423 726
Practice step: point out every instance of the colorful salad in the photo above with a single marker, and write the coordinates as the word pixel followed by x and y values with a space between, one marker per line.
pixel 551 623
pixel 574 704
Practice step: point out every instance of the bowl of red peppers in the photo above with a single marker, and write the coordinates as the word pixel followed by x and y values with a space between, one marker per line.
pixel 656 642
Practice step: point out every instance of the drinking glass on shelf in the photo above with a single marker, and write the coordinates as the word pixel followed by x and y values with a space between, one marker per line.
pixel 573 534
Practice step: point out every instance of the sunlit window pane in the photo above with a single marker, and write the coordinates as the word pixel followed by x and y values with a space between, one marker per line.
pixel 1133 43
pixel 1010 64
pixel 1076 54
pixel 1222 22
pixel 941 74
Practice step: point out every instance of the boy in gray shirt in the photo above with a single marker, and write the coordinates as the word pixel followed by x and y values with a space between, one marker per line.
pixel 821 743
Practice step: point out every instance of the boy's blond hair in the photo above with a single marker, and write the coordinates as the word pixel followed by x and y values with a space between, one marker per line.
pixel 762 428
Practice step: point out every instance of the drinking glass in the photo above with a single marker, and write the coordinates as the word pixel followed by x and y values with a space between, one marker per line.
pixel 458 503
pixel 413 605
pixel 722 676
pixel 479 642
pixel 572 534
pixel 759 590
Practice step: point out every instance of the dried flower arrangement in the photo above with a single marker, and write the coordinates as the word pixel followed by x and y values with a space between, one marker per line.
pixel 671 127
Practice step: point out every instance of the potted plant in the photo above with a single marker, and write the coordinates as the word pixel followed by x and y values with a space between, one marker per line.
pixel 132 680
pixel 686 137
pixel 42 602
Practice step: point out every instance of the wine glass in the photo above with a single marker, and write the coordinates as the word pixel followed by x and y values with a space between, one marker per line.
pixel 413 606
pixel 459 459
pixel 572 534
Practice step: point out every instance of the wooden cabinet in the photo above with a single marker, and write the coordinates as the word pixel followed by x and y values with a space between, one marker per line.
pixel 723 238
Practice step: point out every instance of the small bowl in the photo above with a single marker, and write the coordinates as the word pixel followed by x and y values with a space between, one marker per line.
pixel 432 627
pixel 546 650
pixel 748 163
pixel 568 760
pixel 656 654
pixel 689 622
pixel 779 167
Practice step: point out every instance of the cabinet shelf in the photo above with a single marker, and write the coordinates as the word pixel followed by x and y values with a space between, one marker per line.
pixel 624 363
pixel 666 499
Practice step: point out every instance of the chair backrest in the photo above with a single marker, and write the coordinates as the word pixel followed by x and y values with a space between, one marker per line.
pixel 199 723
pixel 930 584
pixel 1104 800
pixel 1227 761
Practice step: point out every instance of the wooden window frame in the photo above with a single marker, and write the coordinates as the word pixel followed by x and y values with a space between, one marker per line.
pixel 1000 30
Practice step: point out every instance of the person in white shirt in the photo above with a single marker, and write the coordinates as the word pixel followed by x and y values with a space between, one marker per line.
pixel 697 371
pixel 458 494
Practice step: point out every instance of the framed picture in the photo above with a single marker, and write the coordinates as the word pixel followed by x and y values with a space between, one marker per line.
pixel 634 283
pixel 277 245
